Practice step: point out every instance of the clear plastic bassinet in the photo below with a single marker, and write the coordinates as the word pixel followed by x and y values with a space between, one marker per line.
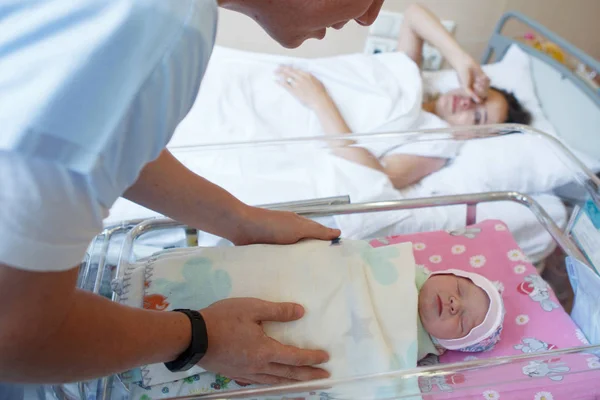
pixel 124 243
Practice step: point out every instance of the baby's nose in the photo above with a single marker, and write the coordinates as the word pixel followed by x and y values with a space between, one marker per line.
pixel 454 305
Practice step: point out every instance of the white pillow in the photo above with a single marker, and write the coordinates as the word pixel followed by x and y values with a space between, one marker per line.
pixel 516 162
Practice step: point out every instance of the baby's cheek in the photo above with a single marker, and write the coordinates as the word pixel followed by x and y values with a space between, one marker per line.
pixel 438 329
pixel 479 319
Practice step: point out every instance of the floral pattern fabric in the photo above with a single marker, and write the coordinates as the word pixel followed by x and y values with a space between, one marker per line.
pixel 534 321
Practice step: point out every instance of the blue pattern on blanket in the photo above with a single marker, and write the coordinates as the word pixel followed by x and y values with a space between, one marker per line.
pixel 398 387
pixel 380 261
pixel 201 285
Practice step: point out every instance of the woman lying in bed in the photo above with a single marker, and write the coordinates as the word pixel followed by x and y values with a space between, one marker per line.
pixel 476 103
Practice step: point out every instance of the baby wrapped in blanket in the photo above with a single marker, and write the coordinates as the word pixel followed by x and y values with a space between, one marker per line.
pixel 372 309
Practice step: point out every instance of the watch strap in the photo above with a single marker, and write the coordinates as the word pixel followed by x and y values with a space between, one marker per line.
pixel 198 343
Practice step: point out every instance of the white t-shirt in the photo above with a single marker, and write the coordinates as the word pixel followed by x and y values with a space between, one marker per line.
pixel 91 91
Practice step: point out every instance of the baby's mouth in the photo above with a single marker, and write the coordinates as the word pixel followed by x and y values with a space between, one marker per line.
pixel 439 305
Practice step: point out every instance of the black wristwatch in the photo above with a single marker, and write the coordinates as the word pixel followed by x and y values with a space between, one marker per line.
pixel 198 345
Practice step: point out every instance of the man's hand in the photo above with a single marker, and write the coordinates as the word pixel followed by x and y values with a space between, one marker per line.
pixel 239 349
pixel 167 186
pixel 472 78
pixel 279 227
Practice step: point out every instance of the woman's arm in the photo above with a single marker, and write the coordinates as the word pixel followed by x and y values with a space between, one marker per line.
pixel 420 25
pixel 407 169
pixel 402 169
pixel 311 92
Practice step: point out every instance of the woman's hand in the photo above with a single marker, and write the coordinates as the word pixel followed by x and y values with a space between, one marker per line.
pixel 303 86
pixel 472 78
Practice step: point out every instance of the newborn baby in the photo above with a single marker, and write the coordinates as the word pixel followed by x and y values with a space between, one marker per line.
pixel 458 310
pixel 372 309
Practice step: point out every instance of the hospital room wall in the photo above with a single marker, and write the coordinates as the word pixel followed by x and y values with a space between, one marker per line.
pixel 575 20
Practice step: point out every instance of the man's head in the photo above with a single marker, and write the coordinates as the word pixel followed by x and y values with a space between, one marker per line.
pixel 291 22
pixel 458 109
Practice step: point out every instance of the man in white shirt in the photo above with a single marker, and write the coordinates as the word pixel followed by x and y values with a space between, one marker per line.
pixel 90 94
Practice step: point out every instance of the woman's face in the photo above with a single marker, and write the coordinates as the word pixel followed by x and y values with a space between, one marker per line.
pixel 458 109
pixel 450 306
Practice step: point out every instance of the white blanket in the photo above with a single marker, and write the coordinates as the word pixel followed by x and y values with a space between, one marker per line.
pixel 239 99
pixel 360 302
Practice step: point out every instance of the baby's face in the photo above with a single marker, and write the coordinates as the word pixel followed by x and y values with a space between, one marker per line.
pixel 450 306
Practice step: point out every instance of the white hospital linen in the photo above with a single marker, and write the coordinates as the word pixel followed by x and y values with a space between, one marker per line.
pixel 360 302
pixel 91 91
pixel 240 100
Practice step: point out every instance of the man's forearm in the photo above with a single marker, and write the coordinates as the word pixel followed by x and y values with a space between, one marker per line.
pixel 427 26
pixel 167 186
pixel 96 338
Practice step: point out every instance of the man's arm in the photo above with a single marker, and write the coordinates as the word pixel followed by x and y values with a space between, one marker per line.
pixel 167 186
pixel 51 332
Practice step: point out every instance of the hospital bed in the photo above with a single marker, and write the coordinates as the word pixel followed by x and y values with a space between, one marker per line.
pixel 563 104
pixel 539 374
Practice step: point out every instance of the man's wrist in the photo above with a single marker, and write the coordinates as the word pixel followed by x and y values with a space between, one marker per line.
pixel 244 224
pixel 198 344
pixel 231 218
pixel 183 335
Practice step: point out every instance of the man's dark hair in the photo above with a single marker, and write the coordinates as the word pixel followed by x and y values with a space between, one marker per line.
pixel 517 114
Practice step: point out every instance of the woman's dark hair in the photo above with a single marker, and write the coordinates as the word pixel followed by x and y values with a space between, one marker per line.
pixel 517 114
